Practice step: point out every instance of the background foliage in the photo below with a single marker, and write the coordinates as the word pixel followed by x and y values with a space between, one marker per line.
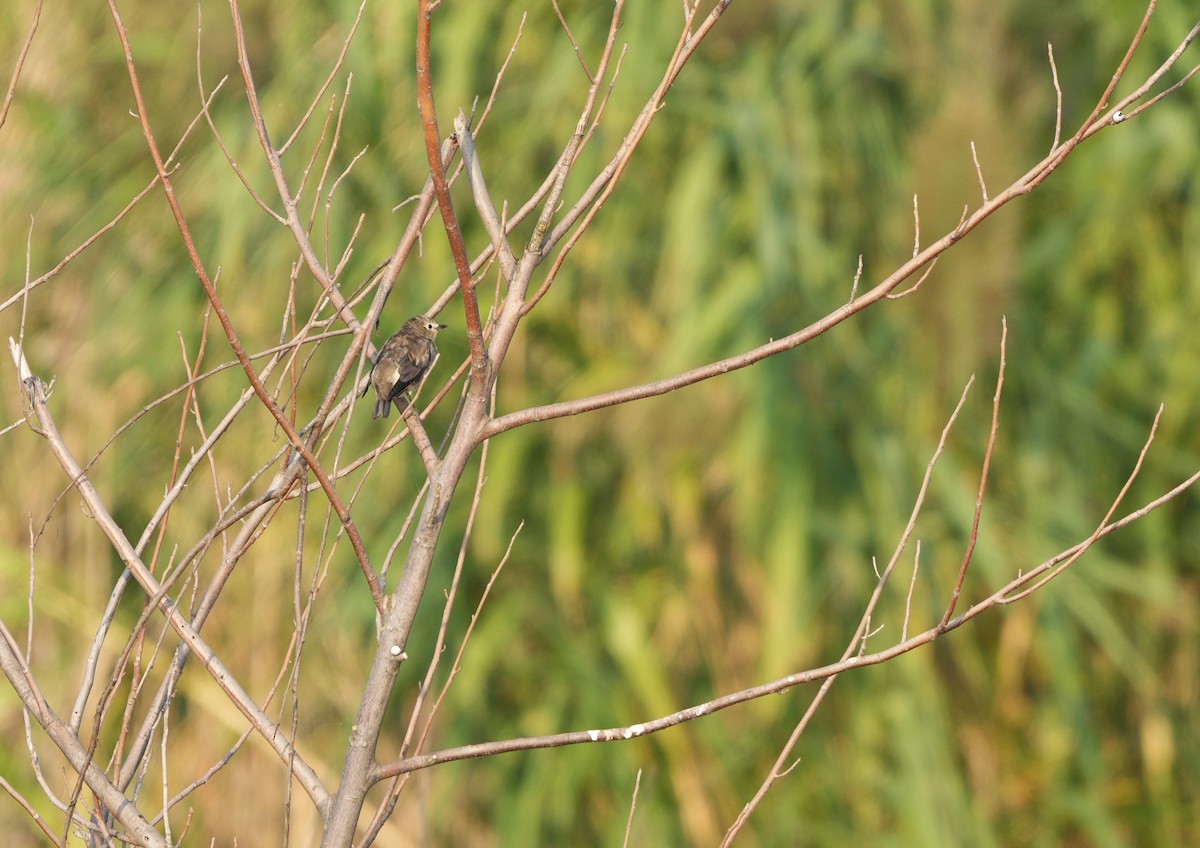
pixel 707 540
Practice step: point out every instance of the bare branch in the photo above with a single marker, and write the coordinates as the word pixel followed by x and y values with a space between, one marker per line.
pixel 637 785
pixel 479 365
pixel 31 811
pixel 917 285
pixel 912 585
pixel 575 44
pixel 1023 185
pixel 857 277
pixel 333 72
pixel 633 731
pixel 117 219
pixel 1082 548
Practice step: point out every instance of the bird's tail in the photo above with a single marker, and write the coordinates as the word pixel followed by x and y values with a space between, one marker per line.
pixel 384 407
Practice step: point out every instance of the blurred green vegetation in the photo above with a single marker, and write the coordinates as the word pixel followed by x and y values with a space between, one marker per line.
pixel 689 545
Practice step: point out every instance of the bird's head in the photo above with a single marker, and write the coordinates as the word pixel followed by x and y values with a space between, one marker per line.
pixel 424 325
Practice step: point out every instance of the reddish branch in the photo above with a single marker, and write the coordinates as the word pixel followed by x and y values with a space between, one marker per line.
pixel 458 248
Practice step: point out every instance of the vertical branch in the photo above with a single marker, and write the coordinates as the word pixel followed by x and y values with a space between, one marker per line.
pixel 983 478
pixel 360 768
pixel 458 248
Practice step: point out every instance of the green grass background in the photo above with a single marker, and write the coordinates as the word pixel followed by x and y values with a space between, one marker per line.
pixel 685 546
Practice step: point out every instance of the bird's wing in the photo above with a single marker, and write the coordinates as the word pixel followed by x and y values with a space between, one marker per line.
pixel 386 371
pixel 414 359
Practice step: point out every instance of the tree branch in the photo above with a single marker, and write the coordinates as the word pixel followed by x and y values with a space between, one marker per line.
pixel 1023 185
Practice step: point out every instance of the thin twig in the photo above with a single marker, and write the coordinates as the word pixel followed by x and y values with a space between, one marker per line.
pixel 857 277
pixel 979 174
pixel 1153 100
pixel 917 285
pixel 1058 98
pixel 118 218
pixel 333 72
pixel 575 44
pixel 20 63
pixel 1100 530
pixel 912 585
pixel 512 51
pixel 983 477
pixel 916 226
pixel 637 785
pixel 32 812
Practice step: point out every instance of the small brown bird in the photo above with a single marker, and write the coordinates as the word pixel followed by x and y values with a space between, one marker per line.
pixel 403 361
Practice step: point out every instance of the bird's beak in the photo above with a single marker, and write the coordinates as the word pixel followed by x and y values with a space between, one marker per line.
pixel 442 326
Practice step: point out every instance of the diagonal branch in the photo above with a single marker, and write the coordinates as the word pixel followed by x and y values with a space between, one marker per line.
pixel 483 199
pixel 774 687
pixel 1023 185
pixel 778 769
pixel 35 704
pixel 20 63
pixel 34 396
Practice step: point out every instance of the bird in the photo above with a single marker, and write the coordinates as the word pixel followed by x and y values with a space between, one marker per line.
pixel 402 361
